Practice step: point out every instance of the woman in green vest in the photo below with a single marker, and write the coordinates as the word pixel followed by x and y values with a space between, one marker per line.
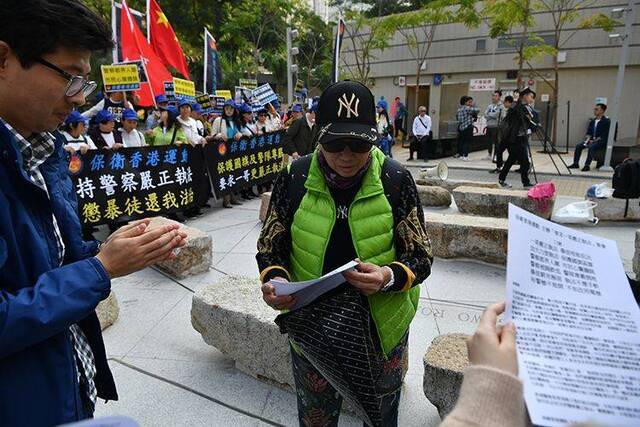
pixel 346 202
pixel 168 130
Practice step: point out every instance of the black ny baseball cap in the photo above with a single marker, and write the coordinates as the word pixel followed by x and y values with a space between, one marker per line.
pixel 346 110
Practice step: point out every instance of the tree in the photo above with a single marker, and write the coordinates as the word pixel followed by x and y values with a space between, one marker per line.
pixel 315 43
pixel 418 28
pixel 505 16
pixel 365 35
pixel 564 13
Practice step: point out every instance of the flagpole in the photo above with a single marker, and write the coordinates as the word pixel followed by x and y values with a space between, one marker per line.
pixel 144 65
pixel 114 31
pixel 206 57
pixel 148 22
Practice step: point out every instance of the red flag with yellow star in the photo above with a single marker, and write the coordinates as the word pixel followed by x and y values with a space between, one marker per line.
pixel 164 41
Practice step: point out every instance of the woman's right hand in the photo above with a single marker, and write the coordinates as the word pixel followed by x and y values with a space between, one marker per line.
pixel 284 302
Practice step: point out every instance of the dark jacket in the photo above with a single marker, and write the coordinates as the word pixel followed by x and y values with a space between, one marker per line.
pixel 601 132
pixel 518 120
pixel 99 141
pixel 40 300
pixel 299 138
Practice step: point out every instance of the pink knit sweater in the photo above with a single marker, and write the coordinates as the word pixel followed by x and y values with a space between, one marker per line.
pixel 488 397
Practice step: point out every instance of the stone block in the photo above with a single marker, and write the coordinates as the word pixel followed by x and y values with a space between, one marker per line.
pixel 612 209
pixel 265 199
pixel 193 258
pixel 108 311
pixel 452 184
pixel 636 256
pixel 434 196
pixel 444 363
pixel 232 317
pixel 467 236
pixel 495 202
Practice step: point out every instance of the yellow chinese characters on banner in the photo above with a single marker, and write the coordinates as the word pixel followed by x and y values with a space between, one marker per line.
pixel 183 87
pixel 120 77
pixel 224 93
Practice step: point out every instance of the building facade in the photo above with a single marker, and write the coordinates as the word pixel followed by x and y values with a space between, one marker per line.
pixel 460 56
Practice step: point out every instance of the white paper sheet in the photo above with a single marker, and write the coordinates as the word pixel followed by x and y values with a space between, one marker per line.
pixel 578 324
pixel 307 291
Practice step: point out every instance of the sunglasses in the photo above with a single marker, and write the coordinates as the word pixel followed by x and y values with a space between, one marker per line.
pixel 354 145
pixel 75 85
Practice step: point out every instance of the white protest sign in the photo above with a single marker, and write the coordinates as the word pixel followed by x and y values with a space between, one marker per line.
pixel 264 94
pixel 578 325
pixel 479 85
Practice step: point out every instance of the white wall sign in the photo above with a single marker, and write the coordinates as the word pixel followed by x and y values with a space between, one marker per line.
pixel 478 85
pixel 544 97
pixel 402 80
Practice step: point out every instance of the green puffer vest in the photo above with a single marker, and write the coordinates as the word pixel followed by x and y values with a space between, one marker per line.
pixel 371 224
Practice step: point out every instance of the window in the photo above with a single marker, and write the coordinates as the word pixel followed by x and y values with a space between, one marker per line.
pixel 481 45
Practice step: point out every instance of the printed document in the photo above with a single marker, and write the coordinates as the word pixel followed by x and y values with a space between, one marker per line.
pixel 578 325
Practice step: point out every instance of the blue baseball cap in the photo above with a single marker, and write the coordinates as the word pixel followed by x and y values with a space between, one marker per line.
pixel 184 102
pixel 129 114
pixel 297 108
pixel 382 104
pixel 230 103
pixel 104 116
pixel 162 98
pixel 172 110
pixel 196 107
pixel 245 108
pixel 74 117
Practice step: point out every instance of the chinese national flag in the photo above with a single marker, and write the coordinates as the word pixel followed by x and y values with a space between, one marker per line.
pixel 164 40
pixel 134 47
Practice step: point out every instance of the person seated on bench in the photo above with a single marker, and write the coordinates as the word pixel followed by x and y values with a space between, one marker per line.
pixel 596 138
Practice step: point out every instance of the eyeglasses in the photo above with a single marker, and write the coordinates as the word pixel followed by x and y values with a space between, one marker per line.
pixel 75 85
pixel 355 146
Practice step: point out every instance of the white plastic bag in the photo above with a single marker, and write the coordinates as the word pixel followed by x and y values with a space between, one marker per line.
pixel 576 213
pixel 600 191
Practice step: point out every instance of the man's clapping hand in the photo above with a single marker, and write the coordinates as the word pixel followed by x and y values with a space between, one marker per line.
pixel 133 247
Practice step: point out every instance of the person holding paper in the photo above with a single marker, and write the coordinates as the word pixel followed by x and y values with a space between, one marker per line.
pixel 347 201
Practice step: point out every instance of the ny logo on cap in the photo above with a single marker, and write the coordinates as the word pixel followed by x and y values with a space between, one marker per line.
pixel 346 103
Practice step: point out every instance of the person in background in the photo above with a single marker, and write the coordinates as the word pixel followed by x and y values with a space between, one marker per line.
pixel 53 364
pixel 274 117
pixel 247 128
pixel 73 132
pixel 491 393
pixel 104 134
pixel 263 124
pixel 384 128
pixel 115 103
pixel 298 140
pixel 421 130
pixel 493 114
pixel 168 130
pixel 293 115
pixel 227 128
pixel 154 117
pixel 502 140
pixel 189 125
pixel 520 126
pixel 131 136
pixel 595 139
pixel 465 115
pixel 399 116
pixel 204 127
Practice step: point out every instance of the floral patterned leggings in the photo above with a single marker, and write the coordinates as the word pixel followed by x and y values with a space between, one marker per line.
pixel 319 403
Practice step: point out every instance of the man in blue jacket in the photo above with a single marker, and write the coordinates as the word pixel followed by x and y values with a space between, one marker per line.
pixel 52 358
pixel 595 139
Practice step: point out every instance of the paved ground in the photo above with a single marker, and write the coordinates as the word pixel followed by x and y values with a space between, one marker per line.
pixel 574 184
pixel 167 375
